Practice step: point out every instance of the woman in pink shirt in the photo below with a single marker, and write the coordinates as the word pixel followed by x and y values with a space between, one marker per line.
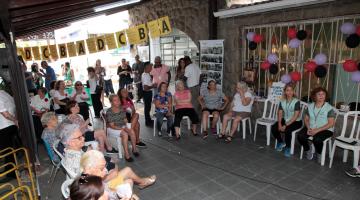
pixel 183 107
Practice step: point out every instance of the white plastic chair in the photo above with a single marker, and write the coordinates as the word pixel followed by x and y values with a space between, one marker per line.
pixel 268 118
pixel 114 139
pixel 218 124
pixel 243 124
pixel 303 106
pixel 155 121
pixel 69 174
pixel 325 143
pixel 65 190
pixel 188 123
pixel 344 141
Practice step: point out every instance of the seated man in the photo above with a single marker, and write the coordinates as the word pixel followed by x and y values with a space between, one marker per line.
pixel 73 140
pixel 93 163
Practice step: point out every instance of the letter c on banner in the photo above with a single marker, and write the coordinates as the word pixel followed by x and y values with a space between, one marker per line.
pixel 45 52
pixel 121 39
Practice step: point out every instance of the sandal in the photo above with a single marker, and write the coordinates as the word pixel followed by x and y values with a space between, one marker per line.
pixel 194 133
pixel 220 136
pixel 228 139
pixel 205 135
pixel 148 181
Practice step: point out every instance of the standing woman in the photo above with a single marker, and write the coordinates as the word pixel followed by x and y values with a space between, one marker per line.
pixel 124 71
pixel 211 102
pixel 68 73
pixel 80 96
pixel 131 115
pixel 319 123
pixel 93 82
pixel 61 97
pixel 180 70
pixel 240 109
pixel 100 73
pixel 289 119
pixel 184 107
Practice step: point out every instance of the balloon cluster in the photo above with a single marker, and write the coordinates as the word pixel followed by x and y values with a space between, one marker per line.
pixel 254 39
pixel 293 76
pixel 353 34
pixel 270 64
pixel 317 65
pixel 296 37
pixel 354 68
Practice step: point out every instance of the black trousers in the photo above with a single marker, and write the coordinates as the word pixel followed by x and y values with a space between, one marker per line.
pixel 96 104
pixel 38 127
pixel 139 91
pixel 190 112
pixel 318 139
pixel 292 127
pixel 147 106
pixel 7 136
pixel 84 110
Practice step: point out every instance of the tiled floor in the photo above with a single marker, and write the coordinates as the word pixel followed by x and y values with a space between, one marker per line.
pixel 197 169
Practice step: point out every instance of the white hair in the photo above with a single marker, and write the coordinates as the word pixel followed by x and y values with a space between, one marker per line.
pixel 90 159
pixel 65 131
pixel 243 85
pixel 45 118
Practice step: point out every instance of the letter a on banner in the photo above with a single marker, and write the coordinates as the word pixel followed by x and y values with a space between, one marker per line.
pixel 53 52
pixel 28 55
pixel 45 54
pixel 121 38
pixel 110 41
pixel 153 27
pixel 100 43
pixel 36 53
pixel 80 47
pixel 91 45
pixel 62 50
pixel 142 33
pixel 71 49
pixel 165 26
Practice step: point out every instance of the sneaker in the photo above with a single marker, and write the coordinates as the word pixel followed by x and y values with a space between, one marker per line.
pixel 354 172
pixel 309 155
pixel 141 144
pixel 112 151
pixel 287 153
pixel 280 146
pixel 318 158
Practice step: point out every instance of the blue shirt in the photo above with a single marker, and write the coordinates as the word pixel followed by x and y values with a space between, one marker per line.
pixel 163 101
pixel 49 71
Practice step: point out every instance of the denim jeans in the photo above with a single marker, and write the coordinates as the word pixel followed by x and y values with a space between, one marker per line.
pixel 108 87
pixel 169 120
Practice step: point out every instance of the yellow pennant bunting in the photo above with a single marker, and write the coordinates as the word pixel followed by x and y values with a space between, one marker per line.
pixel 100 43
pixel 91 45
pixel 153 27
pixel 53 52
pixel 142 33
pixel 80 47
pixel 71 48
pixel 28 55
pixel 164 24
pixel 121 39
pixel 45 52
pixel 110 41
pixel 62 50
pixel 36 53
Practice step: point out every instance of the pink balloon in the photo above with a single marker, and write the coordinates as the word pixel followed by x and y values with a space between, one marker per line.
pixel 348 28
pixel 294 43
pixel 355 76
pixel 250 36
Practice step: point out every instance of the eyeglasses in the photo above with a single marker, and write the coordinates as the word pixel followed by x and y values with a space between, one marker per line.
pixel 78 84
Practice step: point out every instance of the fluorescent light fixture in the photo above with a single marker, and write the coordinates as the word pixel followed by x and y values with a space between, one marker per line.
pixel 115 5
pixel 265 7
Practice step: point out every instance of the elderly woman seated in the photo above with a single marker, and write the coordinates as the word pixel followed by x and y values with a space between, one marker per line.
pixel 39 105
pixel 116 123
pixel 240 109
pixel 81 97
pixel 73 141
pixel 99 135
pixel 93 163
pixel 211 101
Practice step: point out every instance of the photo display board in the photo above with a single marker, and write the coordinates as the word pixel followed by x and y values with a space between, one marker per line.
pixel 211 62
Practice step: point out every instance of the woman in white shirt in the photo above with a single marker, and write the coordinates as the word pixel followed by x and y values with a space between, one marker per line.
pixel 93 82
pixel 61 97
pixel 81 97
pixel 240 109
pixel 39 105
